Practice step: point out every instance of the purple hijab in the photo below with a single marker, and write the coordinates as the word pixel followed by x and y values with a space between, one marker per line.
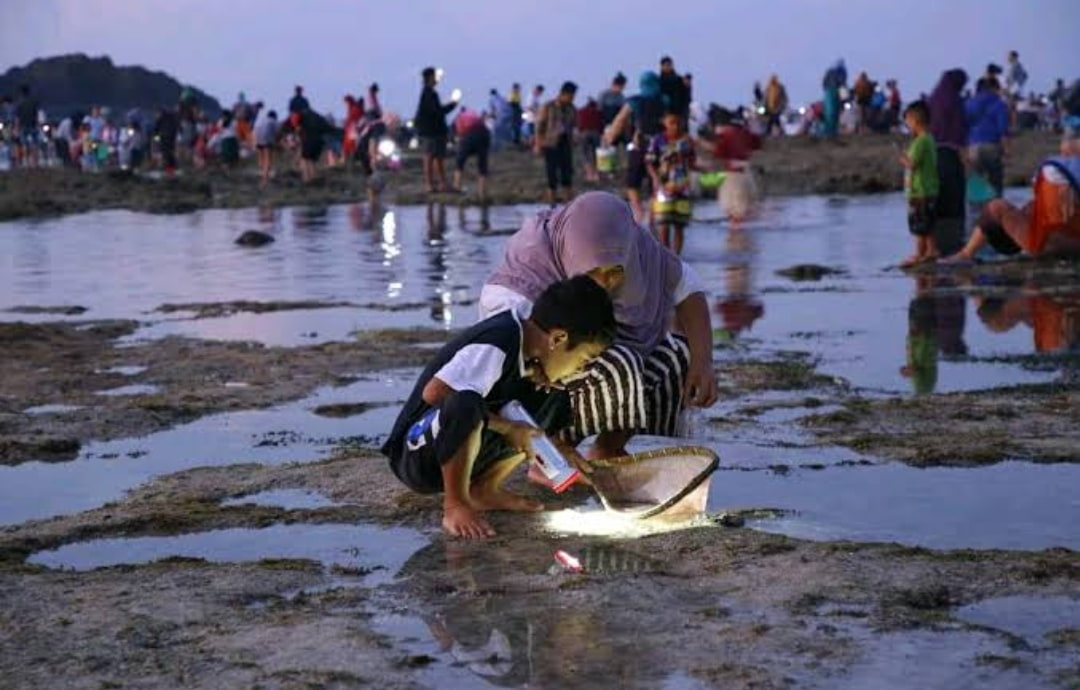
pixel 597 229
pixel 948 121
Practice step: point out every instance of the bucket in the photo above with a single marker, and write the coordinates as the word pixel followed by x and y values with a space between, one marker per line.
pixel 669 481
pixel 605 159
pixel 711 181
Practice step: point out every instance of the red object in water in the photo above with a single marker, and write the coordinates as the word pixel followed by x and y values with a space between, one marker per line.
pixel 568 562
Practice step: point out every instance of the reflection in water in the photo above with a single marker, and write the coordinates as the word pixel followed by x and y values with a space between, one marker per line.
pixel 269 216
pixel 935 325
pixel 441 298
pixel 485 220
pixel 739 307
pixel 311 217
pixel 1054 321
pixel 513 639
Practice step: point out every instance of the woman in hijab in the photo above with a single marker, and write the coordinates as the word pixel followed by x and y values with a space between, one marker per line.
pixel 663 352
pixel 949 127
pixel 834 80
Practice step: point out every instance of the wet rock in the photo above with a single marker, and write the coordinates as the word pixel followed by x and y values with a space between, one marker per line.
pixel 415 661
pixel 254 238
pixel 342 410
pixel 47 449
pixel 801 272
pixel 928 598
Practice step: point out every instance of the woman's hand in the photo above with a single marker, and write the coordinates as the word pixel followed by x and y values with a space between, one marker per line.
pixel 693 319
pixel 701 386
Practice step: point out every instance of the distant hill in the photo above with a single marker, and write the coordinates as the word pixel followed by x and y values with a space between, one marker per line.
pixel 70 83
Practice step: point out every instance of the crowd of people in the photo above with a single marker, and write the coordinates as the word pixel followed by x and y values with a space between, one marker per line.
pixel 651 141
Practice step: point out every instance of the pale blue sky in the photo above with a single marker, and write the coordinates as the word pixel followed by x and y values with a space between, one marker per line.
pixel 335 46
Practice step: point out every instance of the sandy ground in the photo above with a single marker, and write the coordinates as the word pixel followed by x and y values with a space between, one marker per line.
pixel 726 607
pixel 68 363
pixel 855 165
pixel 709 605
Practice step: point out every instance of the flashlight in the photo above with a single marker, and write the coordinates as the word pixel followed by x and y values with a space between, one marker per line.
pixel 455 95
pixel 439 73
pixel 387 148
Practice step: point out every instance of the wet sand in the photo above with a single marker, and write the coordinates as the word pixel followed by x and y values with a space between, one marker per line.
pixel 791 166
pixel 721 606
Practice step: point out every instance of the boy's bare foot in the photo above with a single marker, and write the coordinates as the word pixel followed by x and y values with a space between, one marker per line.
pixel 498 499
pixel 910 261
pixel 465 522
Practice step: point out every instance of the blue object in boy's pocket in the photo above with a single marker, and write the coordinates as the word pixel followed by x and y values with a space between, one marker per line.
pixel 979 190
pixel 415 438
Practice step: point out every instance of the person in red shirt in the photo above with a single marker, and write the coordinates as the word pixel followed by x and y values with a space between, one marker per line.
pixel 733 147
pixel 590 127
pixel 354 112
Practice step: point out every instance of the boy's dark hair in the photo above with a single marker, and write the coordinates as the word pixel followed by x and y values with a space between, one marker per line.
pixel 666 60
pixel 919 110
pixel 619 79
pixel 428 73
pixel 579 306
pixel 568 87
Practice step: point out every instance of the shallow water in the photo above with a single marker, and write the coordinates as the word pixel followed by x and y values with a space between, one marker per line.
pixel 420 266
pixel 286 499
pixel 285 433
pixel 1010 505
pixel 379 552
pixel 1028 617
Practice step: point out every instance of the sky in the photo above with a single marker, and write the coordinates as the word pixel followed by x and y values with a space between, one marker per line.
pixel 334 47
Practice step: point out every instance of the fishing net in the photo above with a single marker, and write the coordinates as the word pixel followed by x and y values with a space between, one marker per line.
pixel 669 481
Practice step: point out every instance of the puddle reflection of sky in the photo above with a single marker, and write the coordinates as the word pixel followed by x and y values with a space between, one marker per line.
pixel 876 327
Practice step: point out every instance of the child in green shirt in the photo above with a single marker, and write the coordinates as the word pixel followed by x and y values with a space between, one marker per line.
pixel 920 184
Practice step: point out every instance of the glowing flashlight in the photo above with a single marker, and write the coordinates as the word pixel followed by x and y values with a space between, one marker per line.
pixel 439 73
pixel 568 562
pixel 455 95
pixel 387 148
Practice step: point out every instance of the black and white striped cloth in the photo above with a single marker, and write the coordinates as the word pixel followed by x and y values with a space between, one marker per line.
pixel 623 391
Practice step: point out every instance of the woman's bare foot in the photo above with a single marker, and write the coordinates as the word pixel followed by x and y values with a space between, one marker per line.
pixel 957 259
pixel 465 522
pixel 498 499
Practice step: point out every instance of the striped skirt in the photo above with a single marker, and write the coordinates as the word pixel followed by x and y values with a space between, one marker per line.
pixel 622 390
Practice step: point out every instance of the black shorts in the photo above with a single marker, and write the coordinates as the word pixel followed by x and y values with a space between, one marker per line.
pixel 434 146
pixel 921 215
pixel 311 149
pixel 996 237
pixel 475 143
pixel 559 164
pixel 432 441
pixel 636 170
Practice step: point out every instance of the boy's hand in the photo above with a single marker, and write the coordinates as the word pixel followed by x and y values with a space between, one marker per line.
pixel 905 160
pixel 520 435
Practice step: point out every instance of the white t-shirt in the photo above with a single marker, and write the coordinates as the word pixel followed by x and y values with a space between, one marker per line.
pixel 496 298
pixel 266 130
